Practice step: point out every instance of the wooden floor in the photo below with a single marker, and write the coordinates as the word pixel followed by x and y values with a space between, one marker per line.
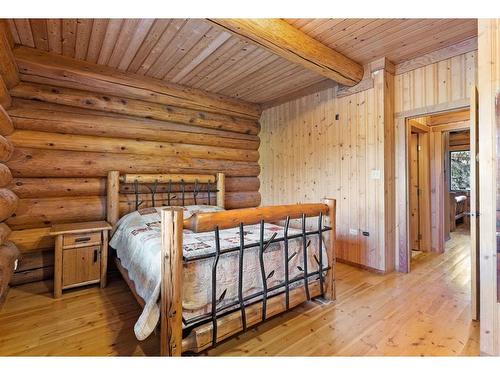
pixel 426 312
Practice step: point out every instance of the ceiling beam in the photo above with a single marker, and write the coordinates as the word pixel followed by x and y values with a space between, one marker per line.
pixel 292 44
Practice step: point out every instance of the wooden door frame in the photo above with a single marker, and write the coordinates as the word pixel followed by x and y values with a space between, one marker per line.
pixel 439 133
pixel 424 133
pixel 403 248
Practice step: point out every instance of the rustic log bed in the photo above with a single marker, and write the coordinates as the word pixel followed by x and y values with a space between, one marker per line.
pixel 208 330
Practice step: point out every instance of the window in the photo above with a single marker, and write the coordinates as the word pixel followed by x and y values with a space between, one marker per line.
pixel 459 170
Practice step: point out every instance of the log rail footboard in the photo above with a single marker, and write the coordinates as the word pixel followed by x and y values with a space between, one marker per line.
pixel 221 323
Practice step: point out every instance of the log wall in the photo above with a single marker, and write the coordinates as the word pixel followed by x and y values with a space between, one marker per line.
pixel 9 77
pixel 75 121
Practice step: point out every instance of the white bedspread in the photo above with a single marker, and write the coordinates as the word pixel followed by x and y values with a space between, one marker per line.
pixel 137 242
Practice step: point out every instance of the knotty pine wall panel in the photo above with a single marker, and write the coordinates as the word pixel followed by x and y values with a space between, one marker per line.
pixel 440 83
pixel 489 125
pixel 441 86
pixel 322 146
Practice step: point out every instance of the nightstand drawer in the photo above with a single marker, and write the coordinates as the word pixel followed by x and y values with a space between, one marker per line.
pixel 81 265
pixel 81 239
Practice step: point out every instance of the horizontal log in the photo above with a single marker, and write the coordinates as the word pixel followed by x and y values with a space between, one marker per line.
pixel 130 178
pixel 5 232
pixel 32 115
pixel 31 276
pixel 9 254
pixel 29 240
pixel 207 221
pixel 6 125
pixel 33 213
pixel 5 98
pixel 137 133
pixel 71 73
pixel 5 176
pixel 44 212
pixel 239 184
pixel 244 199
pixel 132 107
pixel 67 187
pixel 69 142
pixel 57 187
pixel 200 338
pixel 26 162
pixel 6 149
pixel 8 203
pixel 36 259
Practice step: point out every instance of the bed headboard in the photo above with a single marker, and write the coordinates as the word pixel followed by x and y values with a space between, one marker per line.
pixel 148 190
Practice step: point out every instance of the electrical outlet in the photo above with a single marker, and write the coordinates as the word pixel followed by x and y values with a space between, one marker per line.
pixel 353 231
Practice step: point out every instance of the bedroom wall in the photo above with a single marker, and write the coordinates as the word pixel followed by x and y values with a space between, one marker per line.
pixel 75 121
pixel 9 77
pixel 307 154
pixel 323 146
pixel 429 84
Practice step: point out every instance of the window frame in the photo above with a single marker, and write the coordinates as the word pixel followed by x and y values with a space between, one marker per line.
pixel 449 168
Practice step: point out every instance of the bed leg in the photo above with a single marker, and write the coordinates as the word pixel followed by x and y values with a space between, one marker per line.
pixel 171 282
pixel 330 290
pixel 221 190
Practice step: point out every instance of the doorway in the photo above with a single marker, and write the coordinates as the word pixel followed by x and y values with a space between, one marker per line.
pixel 419 186
pixel 441 186
pixel 438 148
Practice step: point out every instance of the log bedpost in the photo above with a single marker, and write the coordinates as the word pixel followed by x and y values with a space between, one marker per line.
pixel 113 197
pixel 221 189
pixel 171 282
pixel 330 292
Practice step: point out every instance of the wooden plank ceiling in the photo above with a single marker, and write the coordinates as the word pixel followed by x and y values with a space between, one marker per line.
pixel 196 53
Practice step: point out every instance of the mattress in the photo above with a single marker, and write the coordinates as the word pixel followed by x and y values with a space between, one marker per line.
pixel 138 246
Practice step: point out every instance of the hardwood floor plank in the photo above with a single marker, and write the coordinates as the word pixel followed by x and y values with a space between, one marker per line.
pixel 423 313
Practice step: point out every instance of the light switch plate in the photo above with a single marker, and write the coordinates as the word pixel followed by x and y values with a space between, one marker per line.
pixel 375 174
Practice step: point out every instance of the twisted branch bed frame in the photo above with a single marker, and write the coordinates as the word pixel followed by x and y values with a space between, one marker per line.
pixel 219 325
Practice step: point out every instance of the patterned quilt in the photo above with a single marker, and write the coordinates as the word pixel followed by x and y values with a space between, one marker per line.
pixel 137 242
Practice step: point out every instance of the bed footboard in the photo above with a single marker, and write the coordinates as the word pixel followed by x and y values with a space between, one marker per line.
pixel 224 324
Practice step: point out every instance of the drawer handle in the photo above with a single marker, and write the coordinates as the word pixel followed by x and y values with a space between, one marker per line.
pixel 82 239
pixel 95 256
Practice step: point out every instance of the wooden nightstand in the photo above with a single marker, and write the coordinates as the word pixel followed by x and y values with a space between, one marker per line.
pixel 81 254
